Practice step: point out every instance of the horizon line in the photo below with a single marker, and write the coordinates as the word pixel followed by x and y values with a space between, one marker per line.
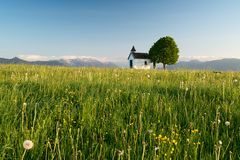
pixel 34 57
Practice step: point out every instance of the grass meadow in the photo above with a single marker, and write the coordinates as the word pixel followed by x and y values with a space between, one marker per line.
pixel 93 113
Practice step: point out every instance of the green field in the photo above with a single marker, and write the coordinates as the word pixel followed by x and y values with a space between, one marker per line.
pixel 92 113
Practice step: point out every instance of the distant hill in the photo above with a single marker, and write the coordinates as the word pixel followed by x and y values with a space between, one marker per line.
pixel 227 64
pixel 14 60
pixel 87 62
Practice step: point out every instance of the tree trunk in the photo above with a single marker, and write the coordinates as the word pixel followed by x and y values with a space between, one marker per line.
pixel 164 66
pixel 154 65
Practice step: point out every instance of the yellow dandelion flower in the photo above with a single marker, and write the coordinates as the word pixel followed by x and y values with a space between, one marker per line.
pixel 195 131
pixel 174 141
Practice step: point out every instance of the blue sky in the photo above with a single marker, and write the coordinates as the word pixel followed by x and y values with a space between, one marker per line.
pixel 109 28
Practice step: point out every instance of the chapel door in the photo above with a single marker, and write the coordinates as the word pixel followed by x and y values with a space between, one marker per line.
pixel 131 63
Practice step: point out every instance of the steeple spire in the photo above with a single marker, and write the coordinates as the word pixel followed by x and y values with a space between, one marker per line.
pixel 133 49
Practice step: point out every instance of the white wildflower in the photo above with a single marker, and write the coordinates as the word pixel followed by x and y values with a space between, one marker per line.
pixel 28 144
pixel 150 131
pixel 227 123
pixel 156 148
pixel 120 153
pixel 219 121
pixel 220 142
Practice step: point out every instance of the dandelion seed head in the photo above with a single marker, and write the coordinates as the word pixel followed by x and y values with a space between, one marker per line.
pixel 28 144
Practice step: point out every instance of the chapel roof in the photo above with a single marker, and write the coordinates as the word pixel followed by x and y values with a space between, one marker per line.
pixel 138 55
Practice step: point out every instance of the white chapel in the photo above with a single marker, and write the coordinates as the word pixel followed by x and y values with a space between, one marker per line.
pixel 138 60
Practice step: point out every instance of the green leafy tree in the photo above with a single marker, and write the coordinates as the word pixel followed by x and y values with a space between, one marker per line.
pixel 164 51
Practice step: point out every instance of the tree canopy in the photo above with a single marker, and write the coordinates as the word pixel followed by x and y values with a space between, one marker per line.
pixel 164 51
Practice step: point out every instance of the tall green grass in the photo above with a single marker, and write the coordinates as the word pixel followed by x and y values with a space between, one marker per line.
pixel 92 113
